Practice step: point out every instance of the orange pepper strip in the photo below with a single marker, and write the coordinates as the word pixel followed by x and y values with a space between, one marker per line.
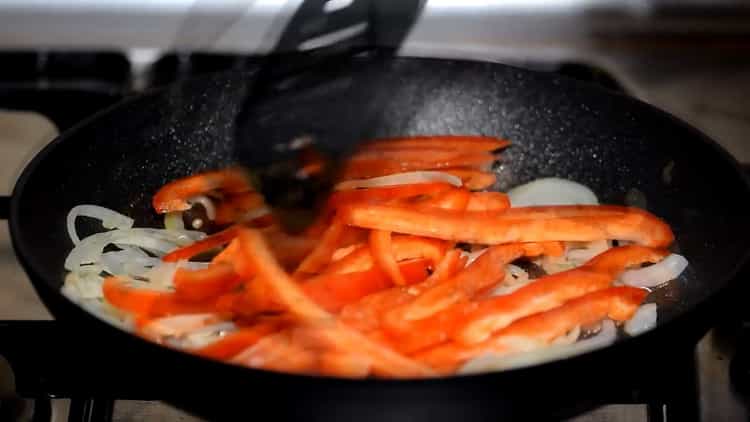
pixel 404 247
pixel 495 313
pixel 174 195
pixel 385 193
pixel 365 314
pixel 279 352
pixel 321 255
pixel 360 168
pixel 454 199
pixel 386 362
pixel 382 253
pixel 234 343
pixel 204 284
pixel 488 201
pixel 436 157
pixel 485 272
pixel 473 322
pixel 450 142
pixel 147 303
pixel 617 303
pixel 256 298
pixel 532 224
pixel 472 179
pixel 233 209
pixel 334 291
pixel 347 365
pixel 210 242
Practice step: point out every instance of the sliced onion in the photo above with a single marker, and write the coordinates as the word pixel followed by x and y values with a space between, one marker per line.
pixel 110 219
pixel 407 178
pixel 551 191
pixel 129 261
pixel 204 336
pixel 472 256
pixel 515 278
pixel 494 362
pixel 668 269
pixel 90 249
pixel 179 325
pixel 643 320
pixel 568 338
pixel 588 251
pixel 207 204
pixel 83 285
pixel 174 221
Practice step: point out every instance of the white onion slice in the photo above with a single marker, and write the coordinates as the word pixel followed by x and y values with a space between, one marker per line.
pixel 643 320
pixel 90 249
pixel 668 269
pixel 551 191
pixel 173 221
pixel 110 219
pixel 515 278
pixel 493 362
pixel 205 336
pixel 407 178
pixel 207 204
pixel 472 256
pixel 129 261
pixel 179 325
pixel 590 250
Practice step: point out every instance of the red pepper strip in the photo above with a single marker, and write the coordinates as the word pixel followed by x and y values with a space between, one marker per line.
pixel 454 199
pixel 321 255
pixel 488 201
pixel 532 224
pixel 472 179
pixel 214 241
pixel 174 195
pixel 234 343
pixel 383 194
pixel 148 303
pixel 234 208
pixel 617 303
pixel 485 272
pixel 279 352
pixel 436 157
pixel 291 250
pixel 404 247
pixel 361 168
pixel 495 313
pixel 473 322
pixel 384 360
pixel 334 291
pixel 452 262
pixel 365 314
pixel 204 284
pixel 382 253
pixel 452 142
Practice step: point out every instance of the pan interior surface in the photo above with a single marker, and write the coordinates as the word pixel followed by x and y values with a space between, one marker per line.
pixel 614 145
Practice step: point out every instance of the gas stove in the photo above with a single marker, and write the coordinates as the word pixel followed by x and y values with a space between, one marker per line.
pixel 36 386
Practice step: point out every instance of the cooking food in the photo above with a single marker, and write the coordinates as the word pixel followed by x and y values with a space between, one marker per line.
pixel 412 269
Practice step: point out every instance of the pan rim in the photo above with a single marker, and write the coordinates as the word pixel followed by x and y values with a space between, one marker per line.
pixel 24 251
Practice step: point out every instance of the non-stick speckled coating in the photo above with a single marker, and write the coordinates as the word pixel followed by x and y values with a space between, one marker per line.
pixel 558 127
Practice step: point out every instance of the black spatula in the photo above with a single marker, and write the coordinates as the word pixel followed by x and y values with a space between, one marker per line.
pixel 320 37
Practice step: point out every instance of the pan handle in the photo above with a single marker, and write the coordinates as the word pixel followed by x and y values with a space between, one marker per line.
pixel 4 207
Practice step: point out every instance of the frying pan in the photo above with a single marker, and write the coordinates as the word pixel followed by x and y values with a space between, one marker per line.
pixel 559 127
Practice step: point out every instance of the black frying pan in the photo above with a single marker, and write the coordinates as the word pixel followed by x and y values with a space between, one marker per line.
pixel 559 128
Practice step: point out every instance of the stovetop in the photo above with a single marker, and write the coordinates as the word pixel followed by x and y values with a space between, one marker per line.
pixel 66 87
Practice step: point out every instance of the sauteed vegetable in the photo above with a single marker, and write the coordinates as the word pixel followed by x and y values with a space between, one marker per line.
pixel 412 269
